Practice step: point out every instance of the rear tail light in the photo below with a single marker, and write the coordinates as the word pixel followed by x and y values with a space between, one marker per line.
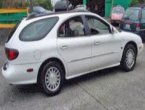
pixel 137 26
pixel 11 53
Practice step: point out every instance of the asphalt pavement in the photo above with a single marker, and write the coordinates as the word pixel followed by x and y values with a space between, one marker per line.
pixel 110 89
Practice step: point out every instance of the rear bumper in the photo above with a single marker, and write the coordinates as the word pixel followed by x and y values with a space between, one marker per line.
pixel 17 74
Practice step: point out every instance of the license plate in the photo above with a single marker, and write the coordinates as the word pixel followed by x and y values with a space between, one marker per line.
pixel 127 26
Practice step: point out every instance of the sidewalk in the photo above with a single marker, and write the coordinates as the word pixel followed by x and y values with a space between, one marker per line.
pixel 1 47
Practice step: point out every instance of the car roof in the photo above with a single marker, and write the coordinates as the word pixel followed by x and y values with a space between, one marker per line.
pixel 57 13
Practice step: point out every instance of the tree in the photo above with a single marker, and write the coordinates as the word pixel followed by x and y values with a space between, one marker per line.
pixel 44 3
pixel 135 2
pixel 1 3
pixel 13 3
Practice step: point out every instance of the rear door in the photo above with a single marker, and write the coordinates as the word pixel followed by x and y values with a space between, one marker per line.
pixel 74 46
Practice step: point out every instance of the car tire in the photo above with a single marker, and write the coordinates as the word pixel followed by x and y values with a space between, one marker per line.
pixel 129 58
pixel 51 78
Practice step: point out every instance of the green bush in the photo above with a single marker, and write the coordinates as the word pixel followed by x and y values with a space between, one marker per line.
pixel 1 3
pixel 18 4
pixel 44 3
pixel 26 4
pixel 22 5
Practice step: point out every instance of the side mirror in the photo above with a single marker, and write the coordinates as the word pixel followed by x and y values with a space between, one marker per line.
pixel 112 29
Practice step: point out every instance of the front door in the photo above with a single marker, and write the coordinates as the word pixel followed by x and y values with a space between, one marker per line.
pixel 106 47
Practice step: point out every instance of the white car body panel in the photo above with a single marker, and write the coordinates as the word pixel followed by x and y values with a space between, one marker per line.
pixel 79 55
pixel 76 52
pixel 106 47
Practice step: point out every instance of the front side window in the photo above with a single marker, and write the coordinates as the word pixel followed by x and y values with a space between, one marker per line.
pixel 38 29
pixel 72 28
pixel 96 26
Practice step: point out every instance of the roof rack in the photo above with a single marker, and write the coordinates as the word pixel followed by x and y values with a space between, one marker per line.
pixel 77 10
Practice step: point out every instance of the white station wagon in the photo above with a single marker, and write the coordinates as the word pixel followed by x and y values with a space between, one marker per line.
pixel 51 48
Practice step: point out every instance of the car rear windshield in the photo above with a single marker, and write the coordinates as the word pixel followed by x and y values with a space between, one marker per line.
pixel 38 29
pixel 131 14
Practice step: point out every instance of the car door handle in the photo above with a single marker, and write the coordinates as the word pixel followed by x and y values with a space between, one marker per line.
pixel 64 47
pixel 97 43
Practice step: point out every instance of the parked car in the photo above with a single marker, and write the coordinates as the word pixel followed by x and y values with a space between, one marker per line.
pixel 134 21
pixel 49 49
pixel 38 10
pixel 63 5
pixel 116 14
pixel 81 7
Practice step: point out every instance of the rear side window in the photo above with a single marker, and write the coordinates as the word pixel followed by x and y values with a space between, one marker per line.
pixel 73 27
pixel 38 29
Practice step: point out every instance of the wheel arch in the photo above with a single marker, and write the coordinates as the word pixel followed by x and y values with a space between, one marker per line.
pixel 133 43
pixel 49 60
pixel 123 64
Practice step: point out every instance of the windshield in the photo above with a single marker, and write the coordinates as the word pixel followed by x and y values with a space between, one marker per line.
pixel 118 10
pixel 131 14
